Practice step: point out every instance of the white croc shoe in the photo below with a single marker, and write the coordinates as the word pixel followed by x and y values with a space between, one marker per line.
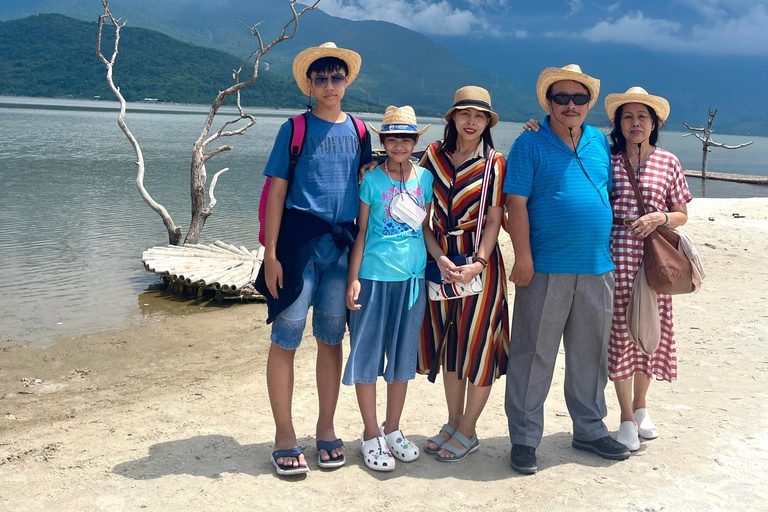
pixel 645 426
pixel 628 435
pixel 399 445
pixel 376 454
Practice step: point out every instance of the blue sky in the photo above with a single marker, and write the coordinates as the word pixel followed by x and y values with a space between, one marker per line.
pixel 719 27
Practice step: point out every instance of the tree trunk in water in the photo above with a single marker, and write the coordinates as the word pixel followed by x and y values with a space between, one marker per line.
pixel 200 211
pixel 704 163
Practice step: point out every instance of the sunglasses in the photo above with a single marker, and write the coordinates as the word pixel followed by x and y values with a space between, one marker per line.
pixel 563 99
pixel 322 80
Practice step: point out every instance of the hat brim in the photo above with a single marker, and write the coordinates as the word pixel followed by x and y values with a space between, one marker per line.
pixel 305 59
pixel 494 116
pixel 657 103
pixel 392 132
pixel 551 75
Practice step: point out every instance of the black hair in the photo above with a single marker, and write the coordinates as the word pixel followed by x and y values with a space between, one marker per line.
pixel 451 134
pixel 549 91
pixel 619 143
pixel 414 137
pixel 327 65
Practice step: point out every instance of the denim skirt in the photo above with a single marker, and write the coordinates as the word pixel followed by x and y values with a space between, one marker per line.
pixel 384 333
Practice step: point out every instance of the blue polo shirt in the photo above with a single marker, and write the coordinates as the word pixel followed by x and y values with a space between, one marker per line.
pixel 570 218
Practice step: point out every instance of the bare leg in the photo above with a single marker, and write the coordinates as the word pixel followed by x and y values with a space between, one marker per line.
pixel 642 383
pixel 477 397
pixel 280 389
pixel 395 403
pixel 624 394
pixel 455 390
pixel 366 400
pixel 328 375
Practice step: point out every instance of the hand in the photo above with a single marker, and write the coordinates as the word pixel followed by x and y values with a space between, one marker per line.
pixel 468 272
pixel 531 125
pixel 522 272
pixel 647 224
pixel 273 273
pixel 353 292
pixel 366 168
pixel 447 269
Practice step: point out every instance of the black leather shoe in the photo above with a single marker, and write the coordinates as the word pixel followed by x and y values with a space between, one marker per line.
pixel 523 459
pixel 606 447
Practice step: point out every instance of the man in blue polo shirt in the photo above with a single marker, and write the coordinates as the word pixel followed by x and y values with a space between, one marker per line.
pixel 557 185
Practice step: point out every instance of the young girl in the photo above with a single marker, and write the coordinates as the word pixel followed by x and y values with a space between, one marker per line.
pixel 386 292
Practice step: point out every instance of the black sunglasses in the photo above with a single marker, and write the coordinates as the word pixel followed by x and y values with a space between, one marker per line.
pixel 321 80
pixel 563 99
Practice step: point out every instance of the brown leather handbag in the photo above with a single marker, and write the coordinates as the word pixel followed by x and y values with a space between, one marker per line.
pixel 667 270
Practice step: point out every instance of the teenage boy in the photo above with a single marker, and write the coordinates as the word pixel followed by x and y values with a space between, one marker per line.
pixel 308 231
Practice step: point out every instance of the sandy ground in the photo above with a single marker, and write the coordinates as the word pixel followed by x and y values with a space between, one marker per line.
pixel 175 416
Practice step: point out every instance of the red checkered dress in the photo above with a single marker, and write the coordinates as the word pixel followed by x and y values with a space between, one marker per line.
pixel 663 185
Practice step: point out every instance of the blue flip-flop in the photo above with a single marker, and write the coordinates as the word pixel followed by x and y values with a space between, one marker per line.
pixel 328 446
pixel 288 470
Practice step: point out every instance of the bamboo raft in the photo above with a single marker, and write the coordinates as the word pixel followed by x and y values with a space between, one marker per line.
pixel 219 266
pixel 737 178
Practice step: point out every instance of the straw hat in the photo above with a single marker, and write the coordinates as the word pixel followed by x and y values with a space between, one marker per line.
pixel 569 72
pixel 399 120
pixel 305 59
pixel 472 96
pixel 637 95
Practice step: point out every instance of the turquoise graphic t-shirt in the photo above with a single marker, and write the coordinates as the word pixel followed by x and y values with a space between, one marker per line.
pixel 393 251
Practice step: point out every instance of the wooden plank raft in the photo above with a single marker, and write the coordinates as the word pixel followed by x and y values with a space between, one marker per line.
pixel 738 178
pixel 218 266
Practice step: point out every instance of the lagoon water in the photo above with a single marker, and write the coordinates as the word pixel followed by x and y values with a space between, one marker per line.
pixel 74 226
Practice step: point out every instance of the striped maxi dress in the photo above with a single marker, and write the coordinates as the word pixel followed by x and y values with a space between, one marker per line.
pixel 477 345
pixel 662 184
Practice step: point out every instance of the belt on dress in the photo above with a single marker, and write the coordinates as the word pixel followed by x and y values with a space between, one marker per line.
pixel 623 222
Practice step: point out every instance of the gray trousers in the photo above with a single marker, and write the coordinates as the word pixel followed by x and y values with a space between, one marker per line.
pixel 578 308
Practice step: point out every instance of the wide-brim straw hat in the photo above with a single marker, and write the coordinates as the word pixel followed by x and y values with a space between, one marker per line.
pixel 305 59
pixel 570 72
pixel 637 95
pixel 399 120
pixel 475 97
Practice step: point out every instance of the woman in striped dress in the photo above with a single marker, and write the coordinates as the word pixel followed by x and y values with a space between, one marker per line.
pixel 468 337
pixel 636 117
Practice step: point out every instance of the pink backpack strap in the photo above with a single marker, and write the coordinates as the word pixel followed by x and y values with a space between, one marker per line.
pixel 362 131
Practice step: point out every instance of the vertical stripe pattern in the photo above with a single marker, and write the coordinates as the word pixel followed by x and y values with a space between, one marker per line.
pixel 477 345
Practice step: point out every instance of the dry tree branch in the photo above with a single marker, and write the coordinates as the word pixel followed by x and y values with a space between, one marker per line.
pixel 725 146
pixel 694 129
pixel 174 231
pixel 213 185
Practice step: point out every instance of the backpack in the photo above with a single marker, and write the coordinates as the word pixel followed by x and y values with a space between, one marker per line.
pixel 296 145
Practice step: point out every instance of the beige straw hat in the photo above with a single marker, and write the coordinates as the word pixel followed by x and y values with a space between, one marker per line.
pixel 569 72
pixel 305 59
pixel 637 95
pixel 475 97
pixel 399 120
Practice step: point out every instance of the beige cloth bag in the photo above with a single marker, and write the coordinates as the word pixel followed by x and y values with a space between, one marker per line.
pixel 643 321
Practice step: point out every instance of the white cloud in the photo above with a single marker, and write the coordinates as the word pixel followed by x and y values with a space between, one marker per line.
pixel 575 6
pixel 425 16
pixel 613 7
pixel 493 4
pixel 745 35
pixel 521 34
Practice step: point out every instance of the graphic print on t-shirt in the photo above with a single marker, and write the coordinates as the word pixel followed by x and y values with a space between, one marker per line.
pixel 391 226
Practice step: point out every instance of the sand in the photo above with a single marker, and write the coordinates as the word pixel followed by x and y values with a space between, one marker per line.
pixel 175 415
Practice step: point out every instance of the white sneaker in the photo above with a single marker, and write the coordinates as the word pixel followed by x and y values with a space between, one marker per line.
pixel 645 426
pixel 628 435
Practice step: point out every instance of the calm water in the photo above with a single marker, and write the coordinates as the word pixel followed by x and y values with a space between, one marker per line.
pixel 74 226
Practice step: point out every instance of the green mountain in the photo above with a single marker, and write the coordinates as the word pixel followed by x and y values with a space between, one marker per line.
pixel 54 55
pixel 399 66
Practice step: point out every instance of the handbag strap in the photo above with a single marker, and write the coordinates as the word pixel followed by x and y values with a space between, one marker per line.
pixel 484 196
pixel 633 182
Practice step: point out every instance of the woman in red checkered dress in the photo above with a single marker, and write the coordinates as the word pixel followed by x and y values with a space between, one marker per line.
pixel 636 117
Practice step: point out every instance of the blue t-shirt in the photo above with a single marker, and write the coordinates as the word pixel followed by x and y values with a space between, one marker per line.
pixel 570 218
pixel 325 180
pixel 393 251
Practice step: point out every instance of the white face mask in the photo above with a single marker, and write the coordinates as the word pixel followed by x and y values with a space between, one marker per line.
pixel 405 210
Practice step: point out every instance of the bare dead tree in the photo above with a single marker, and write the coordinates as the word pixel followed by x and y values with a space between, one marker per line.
pixel 708 142
pixel 198 174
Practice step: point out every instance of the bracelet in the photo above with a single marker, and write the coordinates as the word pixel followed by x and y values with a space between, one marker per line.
pixel 666 222
pixel 482 260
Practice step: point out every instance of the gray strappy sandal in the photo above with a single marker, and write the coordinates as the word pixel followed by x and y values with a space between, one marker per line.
pixel 471 445
pixel 439 441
